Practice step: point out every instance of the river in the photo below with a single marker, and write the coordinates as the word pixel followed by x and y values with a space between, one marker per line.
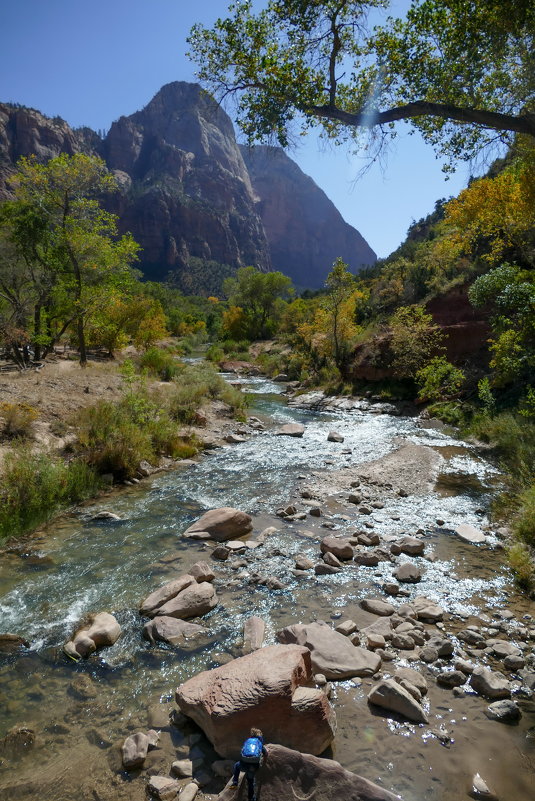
pixel 81 711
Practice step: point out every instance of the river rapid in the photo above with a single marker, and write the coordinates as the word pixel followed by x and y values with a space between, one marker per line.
pixel 80 712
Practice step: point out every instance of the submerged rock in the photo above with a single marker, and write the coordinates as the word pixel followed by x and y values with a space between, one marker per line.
pixel 222 524
pixel 134 751
pixel 171 630
pixel 289 774
pixel 9 643
pixel 469 533
pixel 332 653
pixel 253 634
pixel 265 685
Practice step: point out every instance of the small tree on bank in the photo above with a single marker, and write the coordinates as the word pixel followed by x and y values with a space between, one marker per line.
pixel 67 242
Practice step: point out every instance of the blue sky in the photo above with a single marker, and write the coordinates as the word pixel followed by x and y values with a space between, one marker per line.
pixel 92 62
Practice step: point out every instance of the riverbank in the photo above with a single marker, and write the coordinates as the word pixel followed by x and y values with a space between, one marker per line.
pixel 70 433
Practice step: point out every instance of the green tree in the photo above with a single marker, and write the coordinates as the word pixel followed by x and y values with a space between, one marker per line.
pixel 56 223
pixel 260 296
pixel 339 305
pixel 461 71
pixel 415 340
pixel 510 292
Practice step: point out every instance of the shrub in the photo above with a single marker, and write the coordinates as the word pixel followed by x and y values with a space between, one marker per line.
pixel 513 439
pixel 18 419
pixel 201 382
pixel 160 363
pixel 439 380
pixel 524 524
pixel 35 486
pixel 449 412
pixel 521 564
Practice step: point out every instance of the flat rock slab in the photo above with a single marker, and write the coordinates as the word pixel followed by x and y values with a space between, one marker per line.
pixel 469 533
pixel 377 607
pixel 254 629
pixel 222 524
pixel 332 653
pixel 291 430
pixel 390 695
pixel 288 774
pixel 227 701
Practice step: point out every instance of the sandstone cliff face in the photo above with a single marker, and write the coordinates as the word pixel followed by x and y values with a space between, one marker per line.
pixel 186 193
pixel 305 231
pixel 27 132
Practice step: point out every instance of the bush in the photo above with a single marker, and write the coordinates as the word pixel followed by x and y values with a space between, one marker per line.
pixel 513 438
pixel 18 419
pixel 524 523
pixel 35 486
pixel 160 363
pixel 201 382
pixel 521 564
pixel 115 438
pixel 439 380
pixel 449 412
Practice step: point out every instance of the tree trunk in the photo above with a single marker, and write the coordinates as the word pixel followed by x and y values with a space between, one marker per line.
pixel 37 332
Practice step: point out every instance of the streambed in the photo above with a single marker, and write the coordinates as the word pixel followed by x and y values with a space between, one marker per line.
pixel 79 711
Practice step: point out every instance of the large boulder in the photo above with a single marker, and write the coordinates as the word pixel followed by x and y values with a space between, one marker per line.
pixel 390 695
pixel 171 630
pixel 339 547
pixel 222 524
pixel 100 631
pixel 195 601
pixel 331 652
pixel 266 686
pixel 289 774
pixel 159 597
pixel 490 683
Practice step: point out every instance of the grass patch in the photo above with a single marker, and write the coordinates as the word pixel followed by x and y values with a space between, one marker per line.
pixel 513 440
pixel 35 486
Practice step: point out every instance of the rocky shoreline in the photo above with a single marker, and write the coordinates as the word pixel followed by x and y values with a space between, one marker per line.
pixel 406 656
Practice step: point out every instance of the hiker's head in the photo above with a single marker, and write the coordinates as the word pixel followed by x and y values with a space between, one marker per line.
pixel 256 733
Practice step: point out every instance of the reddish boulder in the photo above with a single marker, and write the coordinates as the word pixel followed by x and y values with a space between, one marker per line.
pixel 266 686
pixel 222 524
pixel 289 774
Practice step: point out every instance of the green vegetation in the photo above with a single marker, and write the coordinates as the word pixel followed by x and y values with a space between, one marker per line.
pixel 35 486
pixel 256 301
pixel 17 420
pixel 457 71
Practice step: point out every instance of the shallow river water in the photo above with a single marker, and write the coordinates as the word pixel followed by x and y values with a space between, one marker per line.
pixel 81 711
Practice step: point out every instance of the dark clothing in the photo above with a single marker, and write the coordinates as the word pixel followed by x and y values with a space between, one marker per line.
pixel 249 768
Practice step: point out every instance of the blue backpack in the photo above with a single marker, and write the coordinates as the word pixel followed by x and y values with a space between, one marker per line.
pixel 251 750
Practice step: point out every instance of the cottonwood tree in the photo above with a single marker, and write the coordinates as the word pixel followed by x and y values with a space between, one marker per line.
pixel 68 243
pixel 460 71
pixel 260 296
